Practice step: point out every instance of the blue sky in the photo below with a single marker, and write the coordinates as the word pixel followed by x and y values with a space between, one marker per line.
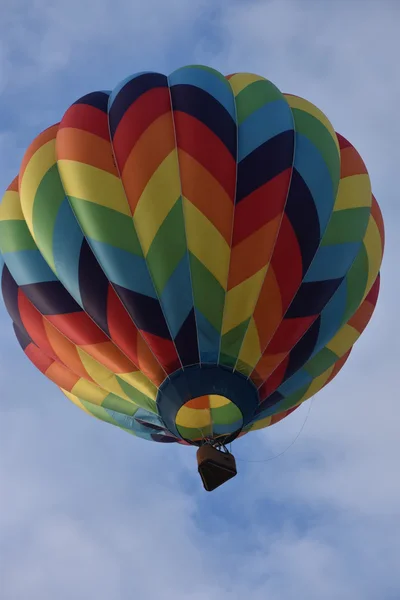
pixel 87 511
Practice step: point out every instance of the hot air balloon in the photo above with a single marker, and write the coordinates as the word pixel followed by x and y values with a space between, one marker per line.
pixel 190 257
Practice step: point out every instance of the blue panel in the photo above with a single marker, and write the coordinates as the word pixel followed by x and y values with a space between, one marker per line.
pixel 332 317
pixel 220 429
pixel 211 82
pixel 313 169
pixel 209 339
pixel 149 417
pixel 294 383
pixel 28 266
pixel 177 297
pixel 265 123
pixel 67 242
pixel 332 262
pixel 271 410
pixel 131 424
pixel 123 268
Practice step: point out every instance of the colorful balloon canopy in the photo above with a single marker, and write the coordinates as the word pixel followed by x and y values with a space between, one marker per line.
pixel 192 256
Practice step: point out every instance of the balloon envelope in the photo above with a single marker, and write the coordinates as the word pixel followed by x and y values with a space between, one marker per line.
pixel 190 256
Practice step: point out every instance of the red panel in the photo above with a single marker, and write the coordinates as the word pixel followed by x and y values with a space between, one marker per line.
pixel 164 350
pixel 203 145
pixel 38 358
pixel 260 207
pixel 88 118
pixel 78 327
pixel 137 119
pixel 33 323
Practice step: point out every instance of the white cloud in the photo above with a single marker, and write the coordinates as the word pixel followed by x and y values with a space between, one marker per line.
pixel 45 38
pixel 339 56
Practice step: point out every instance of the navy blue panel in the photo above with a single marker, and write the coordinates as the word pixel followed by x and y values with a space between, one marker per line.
pixel 199 104
pixel 96 99
pixel 22 336
pixel 303 216
pixel 163 439
pixel 145 312
pixel 93 285
pixel 131 91
pixel 186 341
pixel 312 297
pixel 9 290
pixel 150 425
pixel 264 163
pixel 273 399
pixel 303 350
pixel 202 380
pixel 50 298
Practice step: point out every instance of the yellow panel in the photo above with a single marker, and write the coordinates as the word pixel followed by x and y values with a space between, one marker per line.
pixel 206 243
pixel 89 391
pixel 241 80
pixel 239 303
pixel 318 383
pixel 311 109
pixel 343 340
pixel 354 192
pixel 157 199
pixel 102 376
pixel 139 381
pixel 193 418
pixel 10 207
pixel 36 169
pixel 250 352
pixel 261 424
pixel 93 185
pixel 76 401
pixel 373 246
pixel 218 401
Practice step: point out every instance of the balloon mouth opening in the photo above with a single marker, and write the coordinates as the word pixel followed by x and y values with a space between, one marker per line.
pixel 205 403
pixel 210 417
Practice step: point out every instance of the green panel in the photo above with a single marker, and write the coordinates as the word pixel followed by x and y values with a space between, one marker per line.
pixel 226 415
pixel 208 294
pixel 317 133
pixel 347 226
pixel 356 282
pixel 98 412
pixel 168 247
pixel 254 96
pixel 192 433
pixel 233 340
pixel 107 225
pixel 244 368
pixel 102 414
pixel 227 360
pixel 138 397
pixel 15 236
pixel 48 199
pixel 320 362
pixel 114 402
